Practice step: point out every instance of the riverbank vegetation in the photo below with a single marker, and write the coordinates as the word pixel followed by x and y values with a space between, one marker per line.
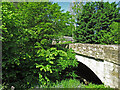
pixel 74 83
pixel 28 56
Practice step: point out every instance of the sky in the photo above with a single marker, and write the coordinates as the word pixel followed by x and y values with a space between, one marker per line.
pixel 65 4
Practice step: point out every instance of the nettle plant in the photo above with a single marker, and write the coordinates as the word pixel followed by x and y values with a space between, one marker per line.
pixel 28 58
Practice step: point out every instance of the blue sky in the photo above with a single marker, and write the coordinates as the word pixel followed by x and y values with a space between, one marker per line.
pixel 65 4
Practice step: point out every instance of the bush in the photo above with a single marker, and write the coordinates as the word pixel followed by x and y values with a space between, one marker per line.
pixel 27 30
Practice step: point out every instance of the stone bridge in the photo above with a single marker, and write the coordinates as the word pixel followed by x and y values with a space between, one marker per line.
pixel 103 60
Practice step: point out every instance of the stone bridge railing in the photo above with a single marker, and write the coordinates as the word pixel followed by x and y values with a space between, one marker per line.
pixel 109 53
pixel 109 69
pixel 105 61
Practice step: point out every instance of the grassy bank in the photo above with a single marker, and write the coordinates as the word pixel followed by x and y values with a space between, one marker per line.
pixel 74 83
pixel 71 83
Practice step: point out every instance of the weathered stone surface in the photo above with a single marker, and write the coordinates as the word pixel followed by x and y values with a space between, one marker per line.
pixel 104 52
pixel 107 72
pixel 96 66
pixel 111 74
pixel 62 39
pixel 108 68
pixel 68 38
pixel 119 54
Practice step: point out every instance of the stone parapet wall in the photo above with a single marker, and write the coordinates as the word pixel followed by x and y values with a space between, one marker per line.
pixel 62 39
pixel 111 75
pixel 97 51
pixel 108 68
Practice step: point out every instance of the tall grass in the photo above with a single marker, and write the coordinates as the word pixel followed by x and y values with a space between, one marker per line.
pixel 74 83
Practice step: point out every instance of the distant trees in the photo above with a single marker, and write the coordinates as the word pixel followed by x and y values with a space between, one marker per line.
pixel 95 22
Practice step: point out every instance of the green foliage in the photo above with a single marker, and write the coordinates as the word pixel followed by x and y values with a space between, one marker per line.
pixel 66 42
pixel 113 35
pixel 67 83
pixel 67 30
pixel 54 62
pixel 71 83
pixel 28 58
pixel 1 86
pixel 74 83
pixel 98 87
pixel 94 20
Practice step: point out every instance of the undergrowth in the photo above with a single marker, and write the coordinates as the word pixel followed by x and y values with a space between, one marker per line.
pixel 74 83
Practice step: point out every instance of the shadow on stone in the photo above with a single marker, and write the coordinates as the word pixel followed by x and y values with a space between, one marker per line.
pixel 86 75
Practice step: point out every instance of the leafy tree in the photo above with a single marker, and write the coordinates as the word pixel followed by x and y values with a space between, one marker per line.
pixel 113 34
pixel 94 22
pixel 28 29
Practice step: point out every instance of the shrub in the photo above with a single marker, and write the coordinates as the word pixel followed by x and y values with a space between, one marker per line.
pixel 27 30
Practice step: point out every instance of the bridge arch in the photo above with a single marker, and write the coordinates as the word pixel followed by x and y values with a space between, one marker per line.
pixel 86 74
pixel 97 67
pixel 105 61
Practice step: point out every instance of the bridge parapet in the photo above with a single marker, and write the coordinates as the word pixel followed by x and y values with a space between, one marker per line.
pixel 108 68
pixel 105 52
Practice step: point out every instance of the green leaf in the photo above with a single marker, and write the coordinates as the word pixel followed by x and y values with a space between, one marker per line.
pixel 51 62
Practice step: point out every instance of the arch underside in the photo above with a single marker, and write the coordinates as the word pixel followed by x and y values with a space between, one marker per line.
pixel 97 67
